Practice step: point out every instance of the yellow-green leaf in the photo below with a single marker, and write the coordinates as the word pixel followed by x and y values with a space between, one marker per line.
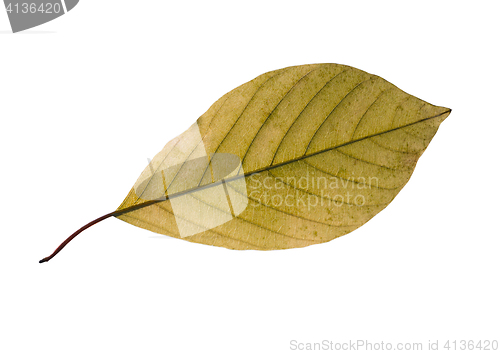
pixel 295 157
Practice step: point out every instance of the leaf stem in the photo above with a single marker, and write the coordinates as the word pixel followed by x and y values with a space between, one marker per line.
pixel 76 233
pixel 98 220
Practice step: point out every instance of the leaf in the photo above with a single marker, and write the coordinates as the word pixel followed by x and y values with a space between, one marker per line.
pixel 323 149
pixel 295 157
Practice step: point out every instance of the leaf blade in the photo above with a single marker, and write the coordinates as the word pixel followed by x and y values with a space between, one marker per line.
pixel 337 122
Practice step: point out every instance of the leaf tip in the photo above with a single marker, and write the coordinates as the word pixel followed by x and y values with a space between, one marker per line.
pixel 442 113
pixel 446 113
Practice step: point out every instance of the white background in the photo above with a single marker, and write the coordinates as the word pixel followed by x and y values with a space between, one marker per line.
pixel 87 98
